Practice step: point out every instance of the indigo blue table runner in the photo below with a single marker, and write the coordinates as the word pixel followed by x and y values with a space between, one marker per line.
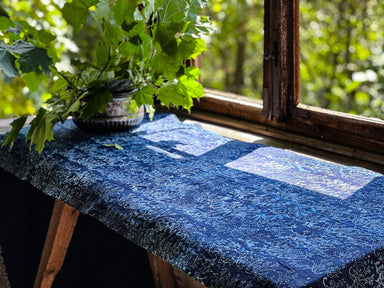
pixel 229 213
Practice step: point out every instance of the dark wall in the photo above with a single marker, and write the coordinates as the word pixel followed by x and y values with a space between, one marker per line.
pixel 97 256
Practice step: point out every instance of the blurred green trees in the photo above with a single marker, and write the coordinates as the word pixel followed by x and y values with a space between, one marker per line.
pixel 342 55
pixel 342 52
pixel 36 16
pixel 234 58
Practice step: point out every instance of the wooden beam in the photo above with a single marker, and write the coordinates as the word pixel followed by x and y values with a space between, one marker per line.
pixel 61 227
pixel 262 130
pixel 281 66
pixel 162 272
pixel 167 276
pixel 268 62
pixel 326 126
pixel 296 52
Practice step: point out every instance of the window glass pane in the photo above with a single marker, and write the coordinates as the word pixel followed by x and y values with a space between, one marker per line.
pixel 342 57
pixel 234 56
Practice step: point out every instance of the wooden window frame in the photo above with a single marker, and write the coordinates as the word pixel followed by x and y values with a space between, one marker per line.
pixel 280 114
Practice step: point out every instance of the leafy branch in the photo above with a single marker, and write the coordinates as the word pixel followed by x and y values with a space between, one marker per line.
pixel 105 66
pixel 64 77
pixel 139 46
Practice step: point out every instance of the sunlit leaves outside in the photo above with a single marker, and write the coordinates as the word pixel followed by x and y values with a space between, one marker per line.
pixel 234 57
pixel 15 98
pixel 342 53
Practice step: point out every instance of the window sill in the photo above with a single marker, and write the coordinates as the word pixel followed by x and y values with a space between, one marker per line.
pixel 254 137
pixel 353 136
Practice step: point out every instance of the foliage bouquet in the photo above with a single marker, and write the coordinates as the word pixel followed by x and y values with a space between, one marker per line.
pixel 142 46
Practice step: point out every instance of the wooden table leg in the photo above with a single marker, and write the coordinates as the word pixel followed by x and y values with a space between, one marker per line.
pixel 162 272
pixel 61 227
pixel 166 276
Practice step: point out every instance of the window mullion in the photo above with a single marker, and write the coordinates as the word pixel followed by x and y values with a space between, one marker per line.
pixel 281 58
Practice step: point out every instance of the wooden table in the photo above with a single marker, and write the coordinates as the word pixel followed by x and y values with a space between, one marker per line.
pixel 61 228
pixel 229 213
pixel 62 225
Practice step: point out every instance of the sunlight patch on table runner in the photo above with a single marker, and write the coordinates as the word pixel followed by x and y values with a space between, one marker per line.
pixel 326 178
